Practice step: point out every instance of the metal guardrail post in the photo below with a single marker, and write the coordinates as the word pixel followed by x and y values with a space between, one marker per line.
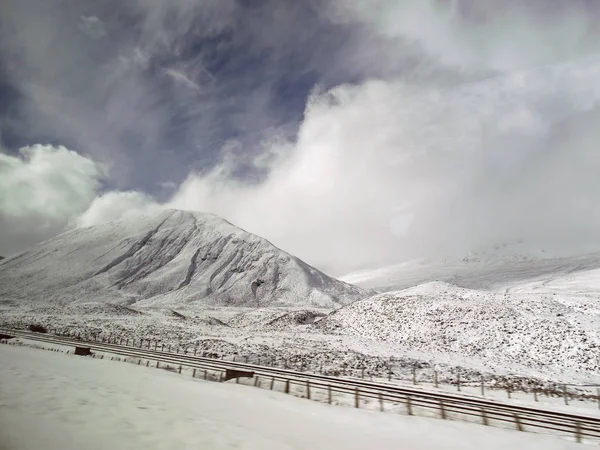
pixel 442 410
pixel 518 422
pixel 484 418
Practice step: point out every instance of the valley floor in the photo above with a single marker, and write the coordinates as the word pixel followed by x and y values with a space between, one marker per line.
pixel 52 400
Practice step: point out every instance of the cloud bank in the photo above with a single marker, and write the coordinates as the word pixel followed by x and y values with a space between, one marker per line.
pixel 41 190
pixel 469 126
pixel 386 171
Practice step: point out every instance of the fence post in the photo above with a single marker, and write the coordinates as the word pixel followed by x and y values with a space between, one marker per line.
pixel 535 394
pixel 408 406
pixel 256 381
pixel 578 432
pixel 205 374
pixel 155 345
pixel 147 362
pixel 435 378
pixel 565 394
pixel 458 381
pixel 162 347
pixel 179 369
pixel 308 389
pixel 287 386
pixel 195 351
pixel 484 418
pixel 598 396
pixel 272 382
pixel 380 402
pixel 482 387
pixel 390 373
pixel 442 410
pixel 194 374
pixel 518 422
pixel 329 394
pixel 508 391
pixel 414 374
pixel 356 398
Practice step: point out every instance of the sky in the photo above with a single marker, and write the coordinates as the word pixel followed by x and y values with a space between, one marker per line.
pixel 352 134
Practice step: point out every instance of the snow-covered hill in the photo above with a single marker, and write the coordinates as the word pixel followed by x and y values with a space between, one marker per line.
pixel 495 268
pixel 520 331
pixel 166 258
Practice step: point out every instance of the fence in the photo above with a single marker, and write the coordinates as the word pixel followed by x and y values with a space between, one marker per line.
pixel 443 405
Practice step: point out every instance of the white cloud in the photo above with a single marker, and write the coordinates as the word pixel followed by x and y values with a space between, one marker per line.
pixel 388 168
pixel 92 26
pixel 116 205
pixel 46 190
pixel 479 34
pixel 181 78
pixel 41 189
pixel 464 166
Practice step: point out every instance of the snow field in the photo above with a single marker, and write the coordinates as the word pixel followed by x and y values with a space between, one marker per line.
pixel 334 397
pixel 89 403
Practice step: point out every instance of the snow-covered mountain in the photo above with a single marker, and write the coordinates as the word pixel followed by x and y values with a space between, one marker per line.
pixel 166 258
pixel 496 268
pixel 546 332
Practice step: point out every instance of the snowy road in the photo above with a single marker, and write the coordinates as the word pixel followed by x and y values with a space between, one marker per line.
pixel 56 401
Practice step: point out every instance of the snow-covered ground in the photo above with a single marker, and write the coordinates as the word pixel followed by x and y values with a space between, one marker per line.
pixel 52 400
pixel 494 268
pixel 517 334
pixel 523 332
pixel 193 279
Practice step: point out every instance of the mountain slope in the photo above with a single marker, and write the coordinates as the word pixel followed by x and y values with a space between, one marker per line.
pixel 496 268
pixel 521 331
pixel 165 258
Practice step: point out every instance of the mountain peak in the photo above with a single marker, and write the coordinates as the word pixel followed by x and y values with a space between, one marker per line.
pixel 166 258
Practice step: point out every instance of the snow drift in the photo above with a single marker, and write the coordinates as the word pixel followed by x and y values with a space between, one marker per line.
pixel 162 259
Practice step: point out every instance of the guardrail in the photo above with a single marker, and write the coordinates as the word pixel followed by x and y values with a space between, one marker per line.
pixel 484 411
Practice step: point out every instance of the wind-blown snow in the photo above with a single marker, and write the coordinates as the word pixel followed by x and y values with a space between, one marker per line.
pixel 517 330
pixel 51 400
pixel 163 259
